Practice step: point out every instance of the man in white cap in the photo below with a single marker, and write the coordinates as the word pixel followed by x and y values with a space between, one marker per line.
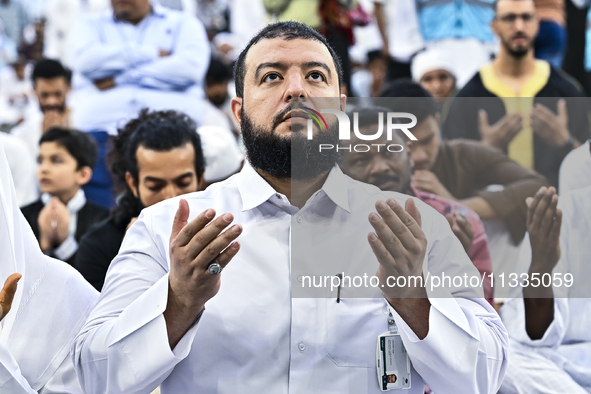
pixel 40 317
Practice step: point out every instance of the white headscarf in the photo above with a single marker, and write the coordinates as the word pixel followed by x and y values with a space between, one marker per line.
pixel 431 60
pixel 52 301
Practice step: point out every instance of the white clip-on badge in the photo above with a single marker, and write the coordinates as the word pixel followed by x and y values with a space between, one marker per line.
pixel 393 364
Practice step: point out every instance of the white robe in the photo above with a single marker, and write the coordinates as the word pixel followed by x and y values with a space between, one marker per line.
pixel 559 362
pixel 49 308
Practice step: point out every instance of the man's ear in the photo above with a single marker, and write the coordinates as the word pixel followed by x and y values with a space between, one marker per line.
pixel 236 105
pixel 84 175
pixel 344 102
pixel 131 183
pixel 493 26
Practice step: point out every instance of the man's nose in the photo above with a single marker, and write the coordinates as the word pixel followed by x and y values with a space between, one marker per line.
pixel 418 154
pixel 380 166
pixel 171 191
pixel 295 87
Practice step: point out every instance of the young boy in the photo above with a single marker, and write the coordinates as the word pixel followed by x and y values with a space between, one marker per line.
pixel 62 215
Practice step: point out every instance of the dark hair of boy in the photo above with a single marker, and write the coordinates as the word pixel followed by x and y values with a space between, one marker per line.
pixel 79 145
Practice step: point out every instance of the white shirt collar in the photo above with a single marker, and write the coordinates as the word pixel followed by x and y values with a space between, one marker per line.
pixel 255 190
pixel 74 205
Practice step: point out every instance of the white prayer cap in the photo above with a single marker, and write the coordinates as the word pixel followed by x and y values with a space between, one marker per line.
pixel 223 157
pixel 430 60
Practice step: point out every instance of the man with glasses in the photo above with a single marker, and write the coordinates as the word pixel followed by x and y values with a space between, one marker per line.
pixel 536 133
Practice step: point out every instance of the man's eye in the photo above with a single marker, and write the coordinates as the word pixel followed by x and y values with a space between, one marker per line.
pixel 155 189
pixel 316 76
pixel 271 77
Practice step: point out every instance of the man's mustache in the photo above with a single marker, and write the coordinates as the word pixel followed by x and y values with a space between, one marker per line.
pixel 380 179
pixel 278 118
pixel 58 108
pixel 519 35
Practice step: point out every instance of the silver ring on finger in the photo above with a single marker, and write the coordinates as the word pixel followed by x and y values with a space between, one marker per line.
pixel 214 268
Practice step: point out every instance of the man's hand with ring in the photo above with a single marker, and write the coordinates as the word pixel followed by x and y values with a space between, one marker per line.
pixel 194 246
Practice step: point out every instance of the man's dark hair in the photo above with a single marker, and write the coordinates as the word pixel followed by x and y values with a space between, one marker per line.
pixel 50 69
pixel 157 130
pixel 218 72
pixel 409 96
pixel 81 146
pixel 288 31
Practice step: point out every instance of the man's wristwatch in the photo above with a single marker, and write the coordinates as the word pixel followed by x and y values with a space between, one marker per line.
pixel 569 144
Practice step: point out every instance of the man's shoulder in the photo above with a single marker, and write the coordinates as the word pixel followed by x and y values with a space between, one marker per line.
pixel 33 208
pixel 474 88
pixel 564 84
pixel 94 210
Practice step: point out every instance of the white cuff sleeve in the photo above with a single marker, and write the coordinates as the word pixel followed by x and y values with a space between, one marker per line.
pixel 66 249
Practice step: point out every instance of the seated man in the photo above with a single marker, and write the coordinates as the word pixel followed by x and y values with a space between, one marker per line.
pixel 154 157
pixel 151 327
pixel 391 171
pixel 549 324
pixel 461 170
pixel 40 317
pixel 134 56
pixel 62 215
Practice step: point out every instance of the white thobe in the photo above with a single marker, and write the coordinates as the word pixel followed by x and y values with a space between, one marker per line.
pixel 575 170
pixel 102 46
pixel 559 362
pixel 50 306
pixel 254 336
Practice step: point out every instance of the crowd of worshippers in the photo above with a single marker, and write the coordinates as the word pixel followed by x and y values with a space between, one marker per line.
pixel 136 105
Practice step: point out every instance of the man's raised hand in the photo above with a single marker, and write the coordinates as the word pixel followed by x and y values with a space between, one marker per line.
pixel 399 245
pixel 194 246
pixel 500 134
pixel 7 294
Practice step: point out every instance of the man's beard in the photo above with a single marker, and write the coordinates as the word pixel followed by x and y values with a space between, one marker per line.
pixel 59 108
pixel 518 53
pixel 293 157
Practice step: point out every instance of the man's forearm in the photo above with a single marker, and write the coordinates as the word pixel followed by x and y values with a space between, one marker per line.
pixel 178 318
pixel 481 207
pixel 415 312
pixel 539 309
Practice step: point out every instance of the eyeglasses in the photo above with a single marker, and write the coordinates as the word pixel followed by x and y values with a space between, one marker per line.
pixel 528 17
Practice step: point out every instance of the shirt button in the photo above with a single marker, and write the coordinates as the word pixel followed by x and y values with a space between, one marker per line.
pixel 301 278
pixel 278 196
pixel 299 219
pixel 301 346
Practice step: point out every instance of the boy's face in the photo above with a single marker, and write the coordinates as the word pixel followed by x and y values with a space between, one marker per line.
pixel 56 171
